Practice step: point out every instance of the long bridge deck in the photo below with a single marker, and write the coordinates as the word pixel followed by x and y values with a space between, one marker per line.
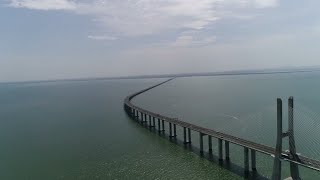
pixel 303 161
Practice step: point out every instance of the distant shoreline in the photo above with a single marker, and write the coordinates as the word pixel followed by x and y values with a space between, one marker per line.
pixel 224 73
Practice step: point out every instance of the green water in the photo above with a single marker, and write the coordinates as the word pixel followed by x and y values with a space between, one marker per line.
pixel 78 130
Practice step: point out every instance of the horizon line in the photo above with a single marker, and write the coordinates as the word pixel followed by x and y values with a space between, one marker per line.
pixel 174 75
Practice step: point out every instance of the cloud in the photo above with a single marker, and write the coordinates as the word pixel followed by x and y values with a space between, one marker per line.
pixel 266 3
pixel 102 37
pixel 191 41
pixel 44 4
pixel 145 17
pixel 149 17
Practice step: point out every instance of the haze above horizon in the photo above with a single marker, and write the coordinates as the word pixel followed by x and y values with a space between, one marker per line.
pixel 67 39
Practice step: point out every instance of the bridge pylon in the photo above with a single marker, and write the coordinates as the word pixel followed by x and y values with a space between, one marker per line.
pixel 294 170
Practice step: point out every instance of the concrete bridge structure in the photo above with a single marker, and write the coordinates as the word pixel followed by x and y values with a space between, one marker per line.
pixel 157 121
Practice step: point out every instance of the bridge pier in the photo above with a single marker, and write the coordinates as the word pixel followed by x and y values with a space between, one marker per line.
pixel 134 114
pixel 131 112
pixel 159 127
pixel 145 118
pixel 189 135
pixel 150 125
pixel 170 130
pixel 220 150
pixel 174 130
pixel 227 151
pixel 253 160
pixel 163 129
pixel 141 117
pixel 141 114
pixel 210 144
pixel 184 135
pixel 154 121
pixel 201 142
pixel 246 161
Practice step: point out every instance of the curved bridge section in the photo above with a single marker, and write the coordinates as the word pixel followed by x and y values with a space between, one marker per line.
pixel 149 118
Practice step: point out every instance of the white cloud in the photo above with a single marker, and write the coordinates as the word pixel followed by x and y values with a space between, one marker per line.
pixel 144 17
pixel 148 17
pixel 266 3
pixel 44 4
pixel 102 37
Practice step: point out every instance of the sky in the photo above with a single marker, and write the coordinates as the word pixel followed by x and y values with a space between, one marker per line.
pixel 63 39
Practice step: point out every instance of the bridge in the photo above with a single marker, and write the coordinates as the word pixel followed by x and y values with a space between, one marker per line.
pixel 147 117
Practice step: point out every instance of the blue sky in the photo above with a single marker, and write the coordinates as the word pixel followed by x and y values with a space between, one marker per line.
pixel 57 39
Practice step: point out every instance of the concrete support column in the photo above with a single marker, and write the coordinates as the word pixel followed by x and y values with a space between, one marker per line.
pixel 201 142
pixel 189 135
pixel 141 114
pixel 154 122
pixel 163 126
pixel 246 161
pixel 227 151
pixel 210 144
pixel 159 127
pixel 170 130
pixel 184 135
pixel 220 150
pixel 276 174
pixel 145 117
pixel 150 121
pixel 253 160
pixel 174 130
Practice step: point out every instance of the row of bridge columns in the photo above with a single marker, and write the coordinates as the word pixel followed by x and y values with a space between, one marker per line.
pixel 278 153
pixel 152 122
pixel 227 152
pixel 187 139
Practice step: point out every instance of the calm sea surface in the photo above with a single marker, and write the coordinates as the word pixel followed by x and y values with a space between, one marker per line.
pixel 78 129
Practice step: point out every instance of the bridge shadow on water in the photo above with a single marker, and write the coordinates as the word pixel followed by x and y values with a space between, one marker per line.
pixel 227 165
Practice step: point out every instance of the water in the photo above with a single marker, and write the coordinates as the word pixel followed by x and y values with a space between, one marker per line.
pixel 78 130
